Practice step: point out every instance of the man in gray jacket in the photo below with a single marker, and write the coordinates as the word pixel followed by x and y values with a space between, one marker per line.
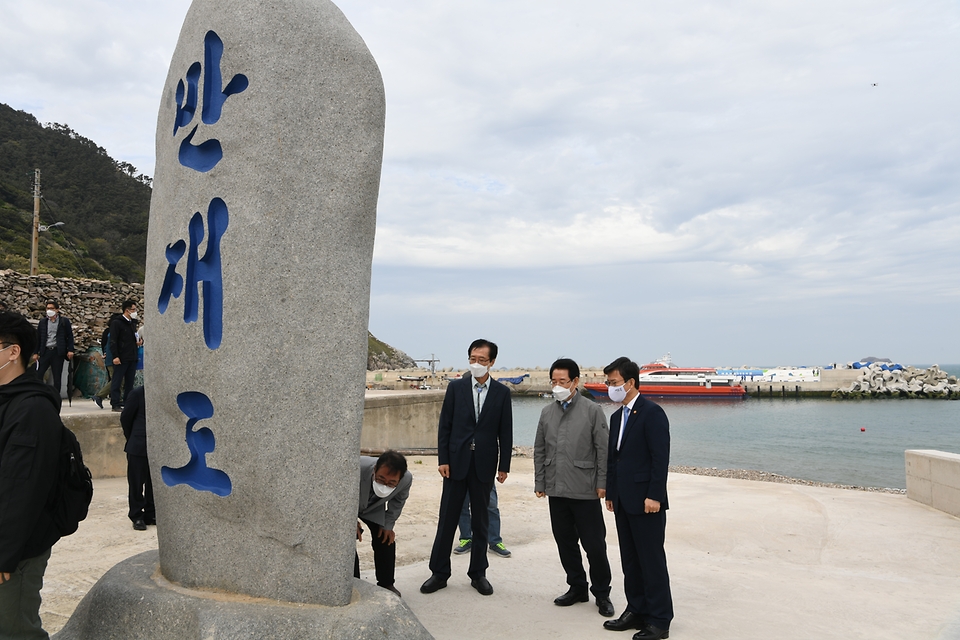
pixel 570 461
pixel 384 489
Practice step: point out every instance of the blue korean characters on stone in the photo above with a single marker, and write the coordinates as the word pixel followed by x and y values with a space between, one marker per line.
pixel 204 273
pixel 197 406
pixel 206 155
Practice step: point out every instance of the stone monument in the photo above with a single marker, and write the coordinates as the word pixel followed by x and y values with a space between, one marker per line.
pixel 269 144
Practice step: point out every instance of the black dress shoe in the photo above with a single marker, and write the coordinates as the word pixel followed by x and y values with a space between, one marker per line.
pixel 433 583
pixel 627 620
pixel 482 585
pixel 139 524
pixel 605 607
pixel 572 596
pixel 651 632
pixel 390 588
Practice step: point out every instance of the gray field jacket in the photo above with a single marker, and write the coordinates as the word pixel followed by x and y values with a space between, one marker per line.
pixel 570 452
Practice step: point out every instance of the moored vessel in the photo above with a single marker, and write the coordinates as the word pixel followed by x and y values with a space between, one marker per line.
pixel 663 379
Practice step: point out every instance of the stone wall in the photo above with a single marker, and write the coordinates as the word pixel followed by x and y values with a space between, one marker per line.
pixel 87 303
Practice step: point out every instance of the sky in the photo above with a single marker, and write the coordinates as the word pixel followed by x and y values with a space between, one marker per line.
pixel 736 183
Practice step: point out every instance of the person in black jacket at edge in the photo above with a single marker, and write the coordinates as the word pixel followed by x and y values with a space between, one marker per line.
pixel 123 346
pixel 133 419
pixel 30 433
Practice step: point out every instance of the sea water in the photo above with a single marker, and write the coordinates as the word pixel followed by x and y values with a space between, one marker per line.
pixel 855 442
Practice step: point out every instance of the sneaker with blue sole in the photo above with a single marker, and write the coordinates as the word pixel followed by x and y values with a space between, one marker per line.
pixel 462 547
pixel 500 550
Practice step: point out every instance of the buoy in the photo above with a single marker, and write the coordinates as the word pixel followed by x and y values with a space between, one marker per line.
pixel 863 428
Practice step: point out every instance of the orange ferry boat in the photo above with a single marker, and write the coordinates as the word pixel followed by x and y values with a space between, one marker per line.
pixel 663 379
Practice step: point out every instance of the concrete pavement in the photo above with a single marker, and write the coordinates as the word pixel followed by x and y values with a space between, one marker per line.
pixel 748 560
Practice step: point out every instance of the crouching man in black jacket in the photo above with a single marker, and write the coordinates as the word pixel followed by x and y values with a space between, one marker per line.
pixel 30 435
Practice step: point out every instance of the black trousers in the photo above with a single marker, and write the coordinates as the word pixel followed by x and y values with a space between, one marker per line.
pixel 50 359
pixel 581 521
pixel 384 556
pixel 125 374
pixel 140 489
pixel 645 580
pixel 451 503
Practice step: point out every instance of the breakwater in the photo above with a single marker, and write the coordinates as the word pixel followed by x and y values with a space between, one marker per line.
pixel 881 381
pixel 832 383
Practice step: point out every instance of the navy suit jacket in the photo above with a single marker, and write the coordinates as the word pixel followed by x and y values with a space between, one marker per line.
pixel 492 433
pixel 64 336
pixel 639 469
pixel 133 421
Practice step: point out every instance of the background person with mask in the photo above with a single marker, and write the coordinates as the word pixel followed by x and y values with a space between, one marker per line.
pixel 30 434
pixel 54 343
pixel 384 489
pixel 570 466
pixel 123 347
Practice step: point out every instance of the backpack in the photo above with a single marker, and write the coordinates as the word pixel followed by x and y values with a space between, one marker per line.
pixel 105 344
pixel 105 340
pixel 72 491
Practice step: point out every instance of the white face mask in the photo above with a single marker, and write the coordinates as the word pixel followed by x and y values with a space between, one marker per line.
pixel 616 394
pixel 478 370
pixel 561 393
pixel 8 361
pixel 133 315
pixel 51 313
pixel 382 490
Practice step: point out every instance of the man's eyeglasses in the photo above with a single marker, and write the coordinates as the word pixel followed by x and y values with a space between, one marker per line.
pixel 385 480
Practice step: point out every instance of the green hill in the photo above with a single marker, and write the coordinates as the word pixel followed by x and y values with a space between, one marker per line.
pixel 104 204
pixel 380 355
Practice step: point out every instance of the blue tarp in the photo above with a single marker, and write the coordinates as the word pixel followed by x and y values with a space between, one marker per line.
pixel 516 380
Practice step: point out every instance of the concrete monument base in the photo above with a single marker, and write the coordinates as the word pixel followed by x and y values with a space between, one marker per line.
pixel 133 601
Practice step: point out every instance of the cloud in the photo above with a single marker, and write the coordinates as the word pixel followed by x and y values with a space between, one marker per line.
pixel 768 175
pixel 95 65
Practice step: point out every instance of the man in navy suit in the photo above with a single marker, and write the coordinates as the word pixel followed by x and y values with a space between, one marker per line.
pixel 475 431
pixel 637 459
pixel 133 421
pixel 54 343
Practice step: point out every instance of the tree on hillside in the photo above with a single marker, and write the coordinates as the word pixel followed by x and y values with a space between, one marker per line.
pixel 104 203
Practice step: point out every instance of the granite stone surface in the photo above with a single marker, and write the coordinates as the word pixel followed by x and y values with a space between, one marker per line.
pixel 133 602
pixel 269 144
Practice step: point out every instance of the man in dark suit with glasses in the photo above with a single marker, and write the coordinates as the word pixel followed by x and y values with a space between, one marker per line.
pixel 474 445
pixel 637 459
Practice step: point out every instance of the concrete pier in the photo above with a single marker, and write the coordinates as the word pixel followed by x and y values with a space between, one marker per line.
pixel 537 382
pixel 403 420
pixel 748 561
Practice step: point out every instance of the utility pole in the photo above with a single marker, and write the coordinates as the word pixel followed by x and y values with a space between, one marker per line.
pixel 34 248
